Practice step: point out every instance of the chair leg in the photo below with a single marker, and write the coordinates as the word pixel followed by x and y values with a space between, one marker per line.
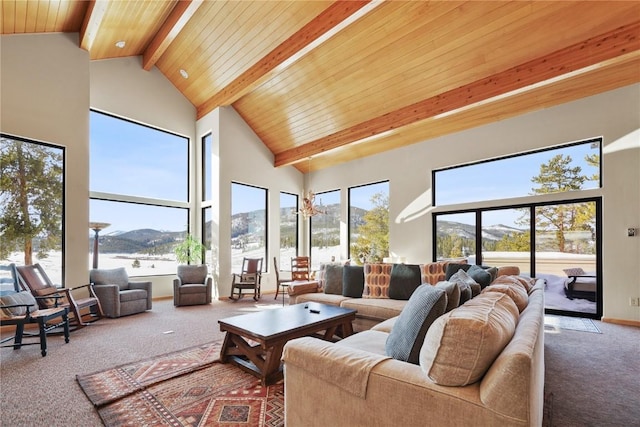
pixel 277 290
pixel 43 336
pixel 17 341
pixel 65 317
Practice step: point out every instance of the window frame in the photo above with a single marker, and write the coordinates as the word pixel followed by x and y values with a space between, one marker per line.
pixel 434 172
pixel 281 263
pixel 349 225
pixel 265 263
pixel 150 201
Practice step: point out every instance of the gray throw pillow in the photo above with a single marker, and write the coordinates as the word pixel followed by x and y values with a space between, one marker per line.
pixel 453 294
pixel 405 339
pixel 405 278
pixel 466 285
pixel 18 298
pixel 333 279
pixel 480 275
pixel 352 281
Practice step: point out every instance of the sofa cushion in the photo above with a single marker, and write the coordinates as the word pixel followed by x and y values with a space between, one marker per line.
pixel 461 345
pixel 352 281
pixel 405 339
pixel 516 292
pixel 114 276
pixel 452 290
pixel 24 297
pixel 333 279
pixel 405 278
pixel 320 297
pixel 376 280
pixel 468 287
pixel 454 267
pixel 377 309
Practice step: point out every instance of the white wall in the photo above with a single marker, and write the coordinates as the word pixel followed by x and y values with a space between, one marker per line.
pixel 243 158
pixel 44 95
pixel 615 115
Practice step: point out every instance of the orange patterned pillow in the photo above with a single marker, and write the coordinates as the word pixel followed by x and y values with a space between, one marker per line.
pixel 376 280
pixel 435 272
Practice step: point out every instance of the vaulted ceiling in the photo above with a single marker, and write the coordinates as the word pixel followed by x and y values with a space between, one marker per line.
pixel 335 81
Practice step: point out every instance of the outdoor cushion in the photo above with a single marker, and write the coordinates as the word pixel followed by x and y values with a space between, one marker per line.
pixel 405 339
pixel 18 298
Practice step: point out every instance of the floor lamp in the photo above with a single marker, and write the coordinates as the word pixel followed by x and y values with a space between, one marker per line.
pixel 96 227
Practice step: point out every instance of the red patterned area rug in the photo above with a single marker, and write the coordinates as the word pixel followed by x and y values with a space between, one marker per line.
pixel 186 388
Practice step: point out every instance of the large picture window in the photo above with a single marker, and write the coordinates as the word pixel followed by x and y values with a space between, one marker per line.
pixel 248 224
pixel 369 222
pixel 556 240
pixel 325 229
pixel 566 168
pixel 32 204
pixel 139 180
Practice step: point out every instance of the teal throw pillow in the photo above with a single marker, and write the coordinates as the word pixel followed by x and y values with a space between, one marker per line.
pixel 480 275
pixel 405 278
pixel 407 336
pixel 352 281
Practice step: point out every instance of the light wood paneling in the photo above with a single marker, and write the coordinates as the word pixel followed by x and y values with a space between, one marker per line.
pixel 340 80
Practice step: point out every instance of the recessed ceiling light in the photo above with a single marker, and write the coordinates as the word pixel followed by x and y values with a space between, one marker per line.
pixel 120 44
pixel 184 74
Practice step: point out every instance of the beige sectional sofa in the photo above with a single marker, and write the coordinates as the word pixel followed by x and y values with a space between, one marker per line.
pixel 371 310
pixel 354 383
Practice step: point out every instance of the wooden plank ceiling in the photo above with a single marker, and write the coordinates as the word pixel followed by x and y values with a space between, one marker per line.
pixel 336 81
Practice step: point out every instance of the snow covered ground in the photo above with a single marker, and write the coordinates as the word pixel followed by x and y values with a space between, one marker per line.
pixel 555 297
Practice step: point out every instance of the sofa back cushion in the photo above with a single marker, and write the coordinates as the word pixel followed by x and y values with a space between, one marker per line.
pixel 516 292
pixel 461 345
pixel 425 305
pixel 333 279
pixel 352 281
pixel 376 280
pixel 405 278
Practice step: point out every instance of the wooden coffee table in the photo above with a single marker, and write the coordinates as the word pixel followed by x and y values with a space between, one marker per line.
pixel 254 342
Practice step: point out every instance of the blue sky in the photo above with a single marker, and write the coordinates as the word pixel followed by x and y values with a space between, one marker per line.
pixel 140 161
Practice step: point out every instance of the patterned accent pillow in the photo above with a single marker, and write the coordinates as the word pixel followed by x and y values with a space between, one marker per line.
pixel 435 272
pixel 17 298
pixel 405 340
pixel 377 278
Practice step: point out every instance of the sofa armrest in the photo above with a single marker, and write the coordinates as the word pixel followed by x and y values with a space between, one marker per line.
pixel 109 297
pixel 345 367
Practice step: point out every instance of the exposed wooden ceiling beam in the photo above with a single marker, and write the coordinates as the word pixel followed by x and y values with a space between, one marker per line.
pixel 91 24
pixel 316 31
pixel 178 18
pixel 550 68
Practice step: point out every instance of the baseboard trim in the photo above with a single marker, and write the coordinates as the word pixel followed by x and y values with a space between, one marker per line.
pixel 625 322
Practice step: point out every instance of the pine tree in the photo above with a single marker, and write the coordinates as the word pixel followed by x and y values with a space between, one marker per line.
pixel 557 175
pixel 372 244
pixel 31 198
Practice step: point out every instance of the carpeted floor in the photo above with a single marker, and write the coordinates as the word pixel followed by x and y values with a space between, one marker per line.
pixel 186 388
pixel 591 378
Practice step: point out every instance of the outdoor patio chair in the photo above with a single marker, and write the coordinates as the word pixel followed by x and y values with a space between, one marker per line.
pixel 580 284
pixel 84 310
pixel 248 279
